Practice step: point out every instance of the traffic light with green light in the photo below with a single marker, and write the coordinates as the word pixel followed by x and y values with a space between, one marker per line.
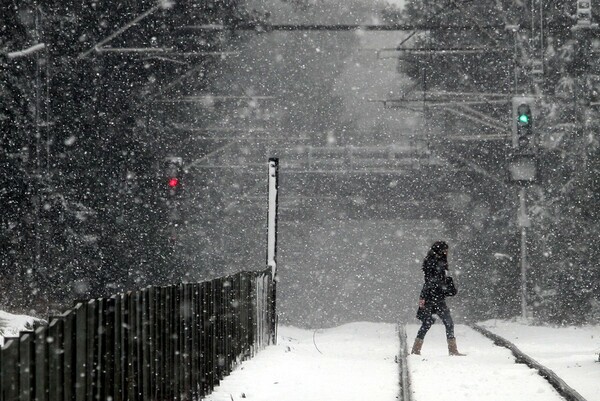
pixel 522 120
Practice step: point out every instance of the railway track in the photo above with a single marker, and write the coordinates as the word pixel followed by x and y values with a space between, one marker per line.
pixel 559 384
pixel 434 359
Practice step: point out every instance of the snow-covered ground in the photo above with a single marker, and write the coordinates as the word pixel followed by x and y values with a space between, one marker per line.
pixel 571 352
pixel 351 362
pixel 357 362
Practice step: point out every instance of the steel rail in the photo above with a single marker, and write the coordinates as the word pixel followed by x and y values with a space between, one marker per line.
pixel 559 384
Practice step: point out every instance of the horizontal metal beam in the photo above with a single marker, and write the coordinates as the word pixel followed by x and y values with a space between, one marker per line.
pixel 26 52
pixel 259 27
pixel 162 50
pixel 438 50
pixel 209 98
pixel 398 103
pixel 478 138
pixel 478 95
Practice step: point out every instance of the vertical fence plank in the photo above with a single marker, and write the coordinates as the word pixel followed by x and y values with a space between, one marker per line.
pixel 152 343
pixel 80 367
pixel 92 338
pixel 55 359
pixel 10 370
pixel 247 317
pixel 227 326
pixel 217 330
pixel 204 345
pixel 118 348
pixel 161 343
pixel 1 364
pixel 188 322
pixel 211 337
pixel 183 342
pixel 139 345
pixel 69 351
pixel 251 316
pixel 99 349
pixel 235 315
pixel 126 352
pixel 107 331
pixel 26 366
pixel 169 350
pixel 177 342
pixel 146 340
pixel 196 335
pixel 41 364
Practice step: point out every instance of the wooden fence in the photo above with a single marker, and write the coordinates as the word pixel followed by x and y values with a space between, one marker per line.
pixel 160 343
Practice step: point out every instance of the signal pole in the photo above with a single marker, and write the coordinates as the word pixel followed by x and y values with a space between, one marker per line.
pixel 523 170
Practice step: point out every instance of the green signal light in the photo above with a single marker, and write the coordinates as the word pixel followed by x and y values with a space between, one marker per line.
pixel 524 118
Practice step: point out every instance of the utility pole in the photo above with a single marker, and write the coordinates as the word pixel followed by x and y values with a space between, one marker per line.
pixel 582 31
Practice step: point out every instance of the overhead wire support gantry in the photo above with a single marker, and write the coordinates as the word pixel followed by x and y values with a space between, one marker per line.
pixel 265 27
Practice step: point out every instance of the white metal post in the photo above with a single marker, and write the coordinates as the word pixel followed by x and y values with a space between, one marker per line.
pixel 272 215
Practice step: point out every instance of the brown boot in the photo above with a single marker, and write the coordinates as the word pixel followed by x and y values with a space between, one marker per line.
pixel 416 349
pixel 452 349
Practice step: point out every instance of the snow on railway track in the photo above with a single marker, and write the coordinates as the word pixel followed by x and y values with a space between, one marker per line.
pixel 559 384
pixel 487 373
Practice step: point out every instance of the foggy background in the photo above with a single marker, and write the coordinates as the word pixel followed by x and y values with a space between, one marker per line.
pixel 87 131
pixel 334 267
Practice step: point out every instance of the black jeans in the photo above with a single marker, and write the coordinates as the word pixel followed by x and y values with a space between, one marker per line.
pixel 440 309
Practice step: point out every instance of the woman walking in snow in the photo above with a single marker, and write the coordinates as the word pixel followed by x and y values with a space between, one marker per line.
pixel 433 297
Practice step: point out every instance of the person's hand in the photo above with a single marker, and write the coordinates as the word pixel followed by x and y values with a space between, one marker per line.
pixel 421 303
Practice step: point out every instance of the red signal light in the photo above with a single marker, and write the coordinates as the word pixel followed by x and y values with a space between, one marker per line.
pixel 173 182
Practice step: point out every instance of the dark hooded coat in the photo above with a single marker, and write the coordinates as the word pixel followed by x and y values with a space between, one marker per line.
pixel 434 288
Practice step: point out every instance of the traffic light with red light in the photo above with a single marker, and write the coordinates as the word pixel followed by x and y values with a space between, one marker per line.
pixel 172 175
pixel 171 182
